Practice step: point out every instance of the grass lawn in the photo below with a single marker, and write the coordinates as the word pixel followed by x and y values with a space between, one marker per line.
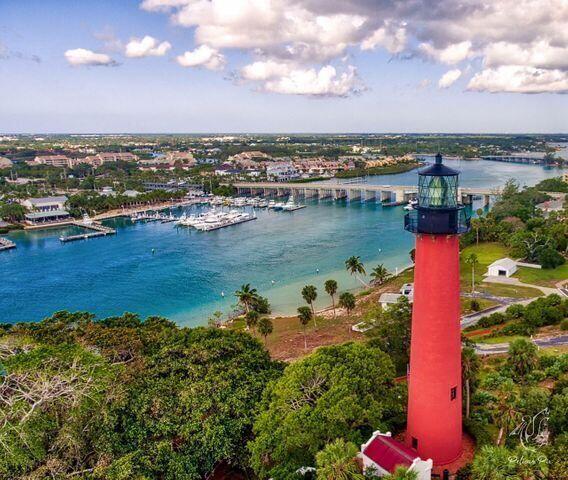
pixel 486 253
pixel 554 351
pixel 513 291
pixel 466 304
pixel 547 277
pixel 501 339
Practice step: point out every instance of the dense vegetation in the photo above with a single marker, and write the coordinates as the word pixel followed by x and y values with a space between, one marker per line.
pixel 124 398
pixel 516 222
pixel 344 391
pixel 525 320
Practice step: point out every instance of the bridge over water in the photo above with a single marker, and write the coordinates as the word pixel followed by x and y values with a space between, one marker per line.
pixel 353 191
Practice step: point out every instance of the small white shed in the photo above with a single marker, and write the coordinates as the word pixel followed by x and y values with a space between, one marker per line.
pixel 504 267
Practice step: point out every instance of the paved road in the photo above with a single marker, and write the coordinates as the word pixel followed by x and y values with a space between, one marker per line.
pixel 473 318
pixel 492 349
pixel 516 282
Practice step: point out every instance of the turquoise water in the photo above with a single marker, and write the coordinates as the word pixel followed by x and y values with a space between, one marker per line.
pixel 185 277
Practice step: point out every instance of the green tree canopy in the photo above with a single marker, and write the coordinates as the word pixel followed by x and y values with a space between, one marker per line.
pixel 194 405
pixel 344 391
pixel 337 461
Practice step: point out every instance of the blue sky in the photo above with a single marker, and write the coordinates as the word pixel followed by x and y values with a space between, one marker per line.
pixel 277 66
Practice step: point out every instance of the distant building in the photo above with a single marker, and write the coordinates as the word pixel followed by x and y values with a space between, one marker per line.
pixel 185 158
pixel 169 161
pixel 61 161
pixel 207 161
pixel 565 177
pixel 131 193
pixel 172 186
pixel 321 166
pixel 45 204
pixel 226 169
pixel 46 210
pixel 504 267
pixel 281 171
pixel 108 191
pixel 382 454
pixel 107 157
pixel 5 162
pixel 249 165
pixel 253 155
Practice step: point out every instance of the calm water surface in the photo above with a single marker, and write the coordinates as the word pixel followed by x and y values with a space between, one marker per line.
pixel 185 278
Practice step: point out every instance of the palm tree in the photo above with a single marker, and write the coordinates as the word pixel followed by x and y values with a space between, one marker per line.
pixel 531 463
pixel 473 261
pixel 402 473
pixel 246 296
pixel 337 461
pixel 355 267
pixel 380 274
pixel 310 293
pixel 265 327
pixel 304 315
pixel 504 409
pixel 251 319
pixel 331 289
pixel 470 367
pixel 347 301
pixel 523 357
pixel 493 463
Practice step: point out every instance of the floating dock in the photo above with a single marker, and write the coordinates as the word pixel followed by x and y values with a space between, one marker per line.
pixel 98 231
pixel 6 244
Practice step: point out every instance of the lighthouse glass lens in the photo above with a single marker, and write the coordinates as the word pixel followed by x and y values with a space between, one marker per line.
pixel 438 191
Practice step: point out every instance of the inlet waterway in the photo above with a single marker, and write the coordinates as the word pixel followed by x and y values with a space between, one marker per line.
pixel 185 275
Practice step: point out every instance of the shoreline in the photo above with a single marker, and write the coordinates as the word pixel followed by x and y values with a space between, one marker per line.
pixel 355 291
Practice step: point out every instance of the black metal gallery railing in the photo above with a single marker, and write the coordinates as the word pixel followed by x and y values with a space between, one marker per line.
pixel 438 221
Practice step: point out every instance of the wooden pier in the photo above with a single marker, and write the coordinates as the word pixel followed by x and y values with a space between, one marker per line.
pixel 6 244
pixel 98 231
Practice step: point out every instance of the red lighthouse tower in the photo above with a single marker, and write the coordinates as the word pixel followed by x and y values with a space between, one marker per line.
pixel 434 386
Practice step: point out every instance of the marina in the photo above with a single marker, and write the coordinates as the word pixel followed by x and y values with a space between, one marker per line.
pixel 97 230
pixel 183 279
pixel 215 220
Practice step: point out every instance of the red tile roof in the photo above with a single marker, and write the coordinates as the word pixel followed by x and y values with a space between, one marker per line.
pixel 389 453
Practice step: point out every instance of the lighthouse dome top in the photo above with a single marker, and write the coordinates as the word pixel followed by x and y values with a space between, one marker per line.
pixel 438 169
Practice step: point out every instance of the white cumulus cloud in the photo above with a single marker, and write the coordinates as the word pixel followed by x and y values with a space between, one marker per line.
pixel 295 80
pixel 539 54
pixel 82 56
pixel 203 56
pixel 146 47
pixel 449 78
pixel 450 55
pixel 314 34
pixel 519 79
pixel 393 40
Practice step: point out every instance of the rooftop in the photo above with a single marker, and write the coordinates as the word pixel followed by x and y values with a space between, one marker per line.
pixel 390 297
pixel 504 262
pixel 48 200
pixel 389 453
